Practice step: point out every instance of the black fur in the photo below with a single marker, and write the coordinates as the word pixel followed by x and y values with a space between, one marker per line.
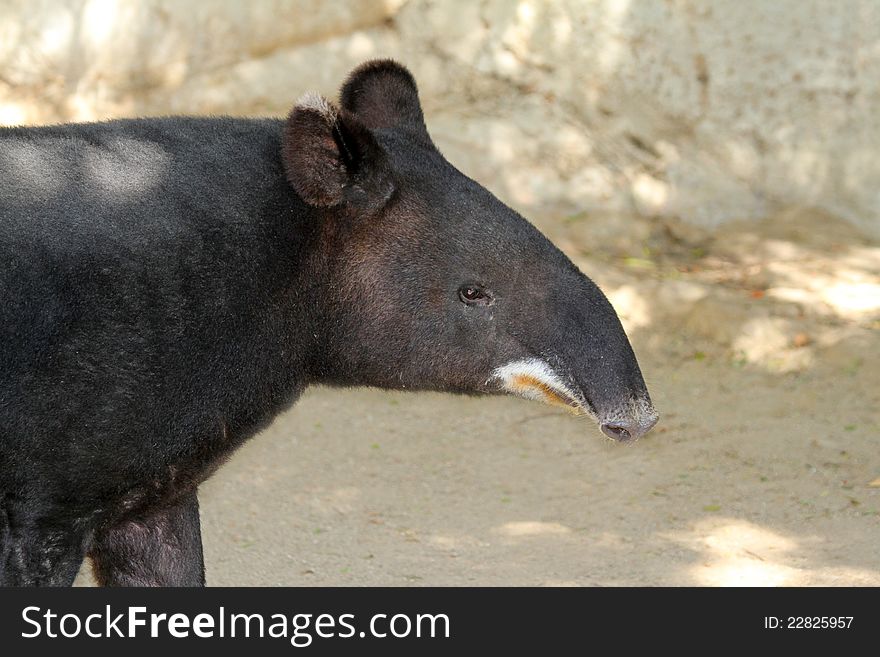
pixel 170 285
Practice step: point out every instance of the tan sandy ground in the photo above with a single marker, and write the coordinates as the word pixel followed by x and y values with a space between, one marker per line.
pixel 761 347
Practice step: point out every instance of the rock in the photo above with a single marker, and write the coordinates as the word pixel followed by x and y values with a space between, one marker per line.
pixel 84 59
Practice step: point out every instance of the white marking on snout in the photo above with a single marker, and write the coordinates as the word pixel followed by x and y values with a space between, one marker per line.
pixel 534 378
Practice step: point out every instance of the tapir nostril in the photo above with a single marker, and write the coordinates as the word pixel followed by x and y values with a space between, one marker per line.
pixel 623 431
pixel 617 431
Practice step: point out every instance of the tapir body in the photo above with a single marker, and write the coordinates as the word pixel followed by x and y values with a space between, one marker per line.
pixel 170 285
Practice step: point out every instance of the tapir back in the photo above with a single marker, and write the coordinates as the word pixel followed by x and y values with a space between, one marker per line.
pixel 141 262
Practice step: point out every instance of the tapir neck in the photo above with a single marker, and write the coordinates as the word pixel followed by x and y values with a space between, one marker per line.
pixel 252 345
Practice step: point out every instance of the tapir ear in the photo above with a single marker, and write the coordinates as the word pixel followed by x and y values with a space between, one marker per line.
pixel 331 158
pixel 383 94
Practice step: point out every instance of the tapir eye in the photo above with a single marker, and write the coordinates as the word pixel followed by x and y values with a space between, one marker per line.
pixel 474 295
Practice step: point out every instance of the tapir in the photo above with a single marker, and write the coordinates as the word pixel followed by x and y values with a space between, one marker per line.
pixel 169 285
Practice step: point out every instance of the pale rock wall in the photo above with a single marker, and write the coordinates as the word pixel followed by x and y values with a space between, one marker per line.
pixel 706 111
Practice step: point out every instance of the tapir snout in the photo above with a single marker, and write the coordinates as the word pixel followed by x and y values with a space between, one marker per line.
pixel 632 429
pixel 578 355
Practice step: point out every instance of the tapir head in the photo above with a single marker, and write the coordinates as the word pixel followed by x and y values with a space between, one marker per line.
pixel 432 283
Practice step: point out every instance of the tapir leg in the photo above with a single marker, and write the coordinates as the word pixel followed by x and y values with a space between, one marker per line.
pixel 36 550
pixel 163 548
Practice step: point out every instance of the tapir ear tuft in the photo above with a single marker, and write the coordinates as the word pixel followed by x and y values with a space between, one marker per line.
pixel 318 104
pixel 383 95
pixel 332 159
